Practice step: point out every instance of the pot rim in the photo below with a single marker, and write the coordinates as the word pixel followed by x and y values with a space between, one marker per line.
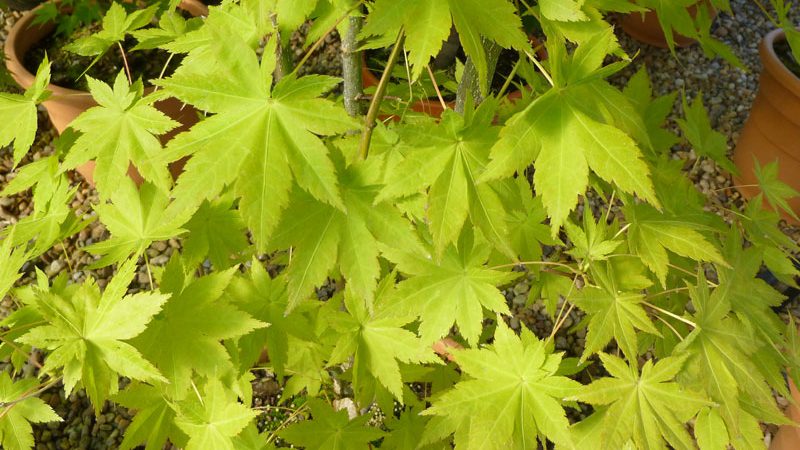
pixel 25 78
pixel 773 65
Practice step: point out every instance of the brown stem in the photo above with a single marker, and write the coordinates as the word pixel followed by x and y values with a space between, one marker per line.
pixel 380 91
pixel 125 61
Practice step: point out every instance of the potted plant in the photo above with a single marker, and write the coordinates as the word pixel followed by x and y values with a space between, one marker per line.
pixel 380 264
pixel 772 131
pixel 64 104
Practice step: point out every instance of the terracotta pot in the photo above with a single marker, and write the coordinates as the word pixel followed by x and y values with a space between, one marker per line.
pixel 772 132
pixel 64 105
pixel 788 436
pixel 646 28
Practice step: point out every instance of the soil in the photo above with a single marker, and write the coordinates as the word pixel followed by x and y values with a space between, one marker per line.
pixel 67 68
pixel 787 58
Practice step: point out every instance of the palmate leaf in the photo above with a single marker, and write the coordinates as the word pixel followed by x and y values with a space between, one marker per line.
pixel 268 136
pixel 428 24
pixel 378 341
pixel 216 232
pixel 120 131
pixel 454 290
pixel 613 314
pixel 562 133
pixel 705 140
pixel 116 24
pixel 651 234
pixel 723 354
pixel 213 420
pixel 647 408
pixel 11 260
pixel 18 118
pixel 185 336
pixel 324 237
pixel 18 409
pixel 776 191
pixel 265 299
pixel 447 157
pixel 136 219
pixel 154 421
pixel 85 333
pixel 331 430
pixel 509 396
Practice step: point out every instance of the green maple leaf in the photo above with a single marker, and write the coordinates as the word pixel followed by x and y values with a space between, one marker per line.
pixel 18 409
pixel 120 131
pixel 673 16
pixel 213 420
pixel 561 133
pixel 136 219
pixel 12 258
pixel 406 430
pixel 18 113
pixel 705 140
pixel 185 336
pixel 654 111
pixel 648 408
pixel 322 235
pixel 171 26
pixel 85 333
pixel 526 230
pixel 154 421
pixel 378 341
pixel 454 290
pixel 722 362
pixel 590 241
pixel 651 234
pixel 262 160
pixel 616 314
pixel 265 299
pixel 446 158
pixel 428 25
pixel 510 394
pixel 215 231
pixel 52 218
pixel 750 297
pixel 116 24
pixel 563 10
pixel 330 430
pixel 776 191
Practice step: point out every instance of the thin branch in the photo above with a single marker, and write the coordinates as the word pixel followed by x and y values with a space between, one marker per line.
pixel 541 68
pixel 7 405
pixel 436 87
pixel 671 314
pixel 125 61
pixel 321 39
pixel 380 90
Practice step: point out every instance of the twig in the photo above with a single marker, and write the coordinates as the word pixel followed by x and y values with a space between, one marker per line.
pixel 541 68
pixel 164 69
pixel 436 87
pixel 321 39
pixel 380 90
pixel 125 61
pixel 7 405
pixel 671 314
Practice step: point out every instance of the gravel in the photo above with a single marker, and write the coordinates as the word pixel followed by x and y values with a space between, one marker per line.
pixel 727 92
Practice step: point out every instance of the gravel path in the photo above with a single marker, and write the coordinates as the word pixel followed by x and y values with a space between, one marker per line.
pixel 727 93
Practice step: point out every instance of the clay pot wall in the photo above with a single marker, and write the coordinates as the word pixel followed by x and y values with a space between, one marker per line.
pixel 772 132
